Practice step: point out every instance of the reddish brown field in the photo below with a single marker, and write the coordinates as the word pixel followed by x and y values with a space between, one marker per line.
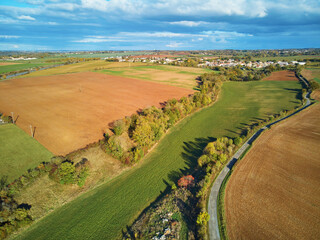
pixel 282 76
pixel 69 111
pixel 274 192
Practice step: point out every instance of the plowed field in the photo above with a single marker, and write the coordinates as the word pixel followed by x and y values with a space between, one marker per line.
pixel 69 111
pixel 282 76
pixel 274 192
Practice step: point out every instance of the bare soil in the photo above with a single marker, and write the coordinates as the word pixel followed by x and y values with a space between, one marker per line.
pixel 274 191
pixel 282 76
pixel 72 110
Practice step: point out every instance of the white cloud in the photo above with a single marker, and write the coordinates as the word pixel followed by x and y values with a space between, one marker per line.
pixel 226 34
pixel 159 34
pixel 188 23
pixel 174 45
pixel 24 17
pixel 8 36
pixel 99 39
pixel 62 6
pixel 205 8
pixel 15 46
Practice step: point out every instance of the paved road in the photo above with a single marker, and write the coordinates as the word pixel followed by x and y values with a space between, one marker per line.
pixel 212 204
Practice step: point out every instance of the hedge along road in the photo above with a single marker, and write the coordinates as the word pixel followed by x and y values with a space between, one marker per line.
pixel 214 233
pixel 104 212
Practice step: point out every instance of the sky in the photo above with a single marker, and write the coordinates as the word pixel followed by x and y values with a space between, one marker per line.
pixel 158 24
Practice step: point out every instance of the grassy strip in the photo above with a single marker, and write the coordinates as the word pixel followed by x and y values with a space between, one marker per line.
pixel 19 152
pixel 221 209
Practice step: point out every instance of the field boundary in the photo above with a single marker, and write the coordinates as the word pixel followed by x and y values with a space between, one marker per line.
pixel 214 227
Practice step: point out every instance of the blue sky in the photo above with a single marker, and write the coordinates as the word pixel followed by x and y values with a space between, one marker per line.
pixel 158 24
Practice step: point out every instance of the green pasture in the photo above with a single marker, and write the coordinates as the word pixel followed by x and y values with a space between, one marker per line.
pixel 19 152
pixel 287 58
pixel 104 212
pixel 23 66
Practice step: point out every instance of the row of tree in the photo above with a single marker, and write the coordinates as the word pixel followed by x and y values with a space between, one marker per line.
pixel 134 136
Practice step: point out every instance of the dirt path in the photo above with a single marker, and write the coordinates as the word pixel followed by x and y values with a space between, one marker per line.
pixel 274 191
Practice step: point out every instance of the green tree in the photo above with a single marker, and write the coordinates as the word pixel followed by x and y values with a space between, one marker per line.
pixel 203 218
pixel 66 173
pixel 237 141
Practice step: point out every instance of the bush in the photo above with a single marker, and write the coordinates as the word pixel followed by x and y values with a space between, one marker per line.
pixel 203 218
pixel 118 127
pixel 66 173
pixel 82 176
pixel 237 141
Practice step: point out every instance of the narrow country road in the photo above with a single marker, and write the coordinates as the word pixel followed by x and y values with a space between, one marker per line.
pixel 212 204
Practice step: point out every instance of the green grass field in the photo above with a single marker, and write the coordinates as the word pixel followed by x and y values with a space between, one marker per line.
pixel 104 212
pixel 23 66
pixel 19 152
pixel 288 58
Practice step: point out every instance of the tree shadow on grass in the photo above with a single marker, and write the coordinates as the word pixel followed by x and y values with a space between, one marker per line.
pixel 297 91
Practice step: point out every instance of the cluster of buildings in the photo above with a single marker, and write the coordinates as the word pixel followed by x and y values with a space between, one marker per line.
pixel 19 58
pixel 205 62
pixel 254 64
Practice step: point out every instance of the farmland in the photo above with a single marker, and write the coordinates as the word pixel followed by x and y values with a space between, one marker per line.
pixel 72 110
pixel 19 152
pixel 312 73
pixel 281 76
pixel 274 192
pixel 171 75
pixel 79 67
pixel 106 210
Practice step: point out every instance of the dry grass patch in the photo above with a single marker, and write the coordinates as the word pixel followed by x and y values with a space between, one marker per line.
pixel 44 195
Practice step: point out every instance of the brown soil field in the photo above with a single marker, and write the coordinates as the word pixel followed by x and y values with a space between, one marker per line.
pixel 7 63
pixel 274 192
pixel 282 76
pixel 72 110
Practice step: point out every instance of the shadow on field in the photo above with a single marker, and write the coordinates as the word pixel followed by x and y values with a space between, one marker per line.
pixel 192 150
pixel 297 91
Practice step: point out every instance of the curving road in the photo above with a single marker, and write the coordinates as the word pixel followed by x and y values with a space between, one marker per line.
pixel 212 204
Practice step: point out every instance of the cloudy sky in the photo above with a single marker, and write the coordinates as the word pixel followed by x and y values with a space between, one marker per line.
pixel 158 24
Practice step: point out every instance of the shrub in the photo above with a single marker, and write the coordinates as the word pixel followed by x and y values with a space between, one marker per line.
pixel 203 218
pixel 119 127
pixel 66 173
pixel 237 141
pixel 186 181
pixel 82 176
